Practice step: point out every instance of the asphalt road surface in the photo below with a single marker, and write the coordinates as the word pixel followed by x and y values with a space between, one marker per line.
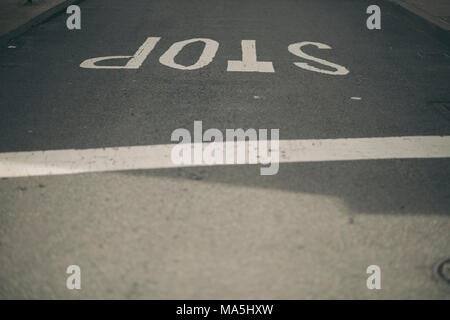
pixel 209 232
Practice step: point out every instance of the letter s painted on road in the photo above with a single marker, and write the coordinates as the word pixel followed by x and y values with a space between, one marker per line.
pixel 296 49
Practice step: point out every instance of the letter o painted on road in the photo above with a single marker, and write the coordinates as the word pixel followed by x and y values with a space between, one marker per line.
pixel 209 51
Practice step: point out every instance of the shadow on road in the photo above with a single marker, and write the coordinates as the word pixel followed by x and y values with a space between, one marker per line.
pixel 386 186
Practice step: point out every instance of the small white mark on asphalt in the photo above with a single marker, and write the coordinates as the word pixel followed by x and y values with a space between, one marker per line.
pixel 356 98
pixel 11 47
pixel 256 97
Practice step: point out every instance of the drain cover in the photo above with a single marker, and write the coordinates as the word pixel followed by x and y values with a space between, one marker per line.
pixel 442 271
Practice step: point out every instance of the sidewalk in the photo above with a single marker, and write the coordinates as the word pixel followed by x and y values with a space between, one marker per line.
pixel 17 16
pixel 434 11
pixel 431 15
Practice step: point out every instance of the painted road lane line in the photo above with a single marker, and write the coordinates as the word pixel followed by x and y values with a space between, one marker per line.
pixel 71 161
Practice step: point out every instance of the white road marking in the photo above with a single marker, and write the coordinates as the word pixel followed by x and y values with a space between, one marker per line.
pixel 249 62
pixel 135 61
pixel 356 98
pixel 296 49
pixel 207 56
pixel 58 162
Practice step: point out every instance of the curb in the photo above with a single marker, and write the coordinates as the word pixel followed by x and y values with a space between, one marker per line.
pixel 428 23
pixel 5 38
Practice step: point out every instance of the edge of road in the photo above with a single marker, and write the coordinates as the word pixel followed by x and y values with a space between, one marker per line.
pixel 35 20
pixel 428 22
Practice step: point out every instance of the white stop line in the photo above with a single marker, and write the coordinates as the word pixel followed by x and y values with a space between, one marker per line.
pixel 71 161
